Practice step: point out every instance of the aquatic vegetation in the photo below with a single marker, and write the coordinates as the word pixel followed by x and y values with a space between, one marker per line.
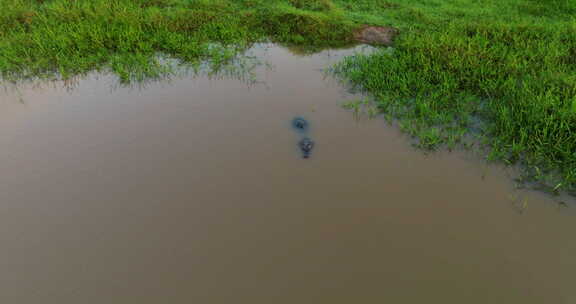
pixel 362 107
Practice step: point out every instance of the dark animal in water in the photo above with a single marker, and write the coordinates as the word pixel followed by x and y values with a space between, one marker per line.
pixel 306 145
pixel 300 124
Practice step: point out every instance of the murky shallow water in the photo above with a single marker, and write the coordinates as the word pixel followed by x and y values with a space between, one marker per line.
pixel 195 192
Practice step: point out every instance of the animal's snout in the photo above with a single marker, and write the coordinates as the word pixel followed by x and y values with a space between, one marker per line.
pixel 306 145
pixel 300 123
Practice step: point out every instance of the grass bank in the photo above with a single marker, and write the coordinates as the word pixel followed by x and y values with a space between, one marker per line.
pixel 62 38
pixel 503 70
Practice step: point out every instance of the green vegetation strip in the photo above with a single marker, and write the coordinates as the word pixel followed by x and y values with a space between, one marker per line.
pixel 503 70
pixel 46 38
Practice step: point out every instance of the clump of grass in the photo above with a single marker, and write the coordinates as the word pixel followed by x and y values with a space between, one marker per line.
pixel 157 3
pixel 313 5
pixel 362 107
pixel 548 8
pixel 305 28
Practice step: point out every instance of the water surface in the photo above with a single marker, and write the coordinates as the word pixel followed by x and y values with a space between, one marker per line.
pixel 195 192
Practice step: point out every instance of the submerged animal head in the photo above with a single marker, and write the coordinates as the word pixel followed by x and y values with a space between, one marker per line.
pixel 300 124
pixel 306 145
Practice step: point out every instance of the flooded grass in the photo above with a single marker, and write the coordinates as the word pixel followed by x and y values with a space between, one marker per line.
pixel 515 77
pixel 506 64
pixel 64 38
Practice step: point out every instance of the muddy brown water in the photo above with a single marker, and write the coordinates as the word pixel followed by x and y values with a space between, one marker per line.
pixel 194 192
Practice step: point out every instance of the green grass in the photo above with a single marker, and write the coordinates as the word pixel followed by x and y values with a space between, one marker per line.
pixel 62 38
pixel 503 71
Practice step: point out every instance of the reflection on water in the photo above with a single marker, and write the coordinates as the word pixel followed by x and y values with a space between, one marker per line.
pixel 195 192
